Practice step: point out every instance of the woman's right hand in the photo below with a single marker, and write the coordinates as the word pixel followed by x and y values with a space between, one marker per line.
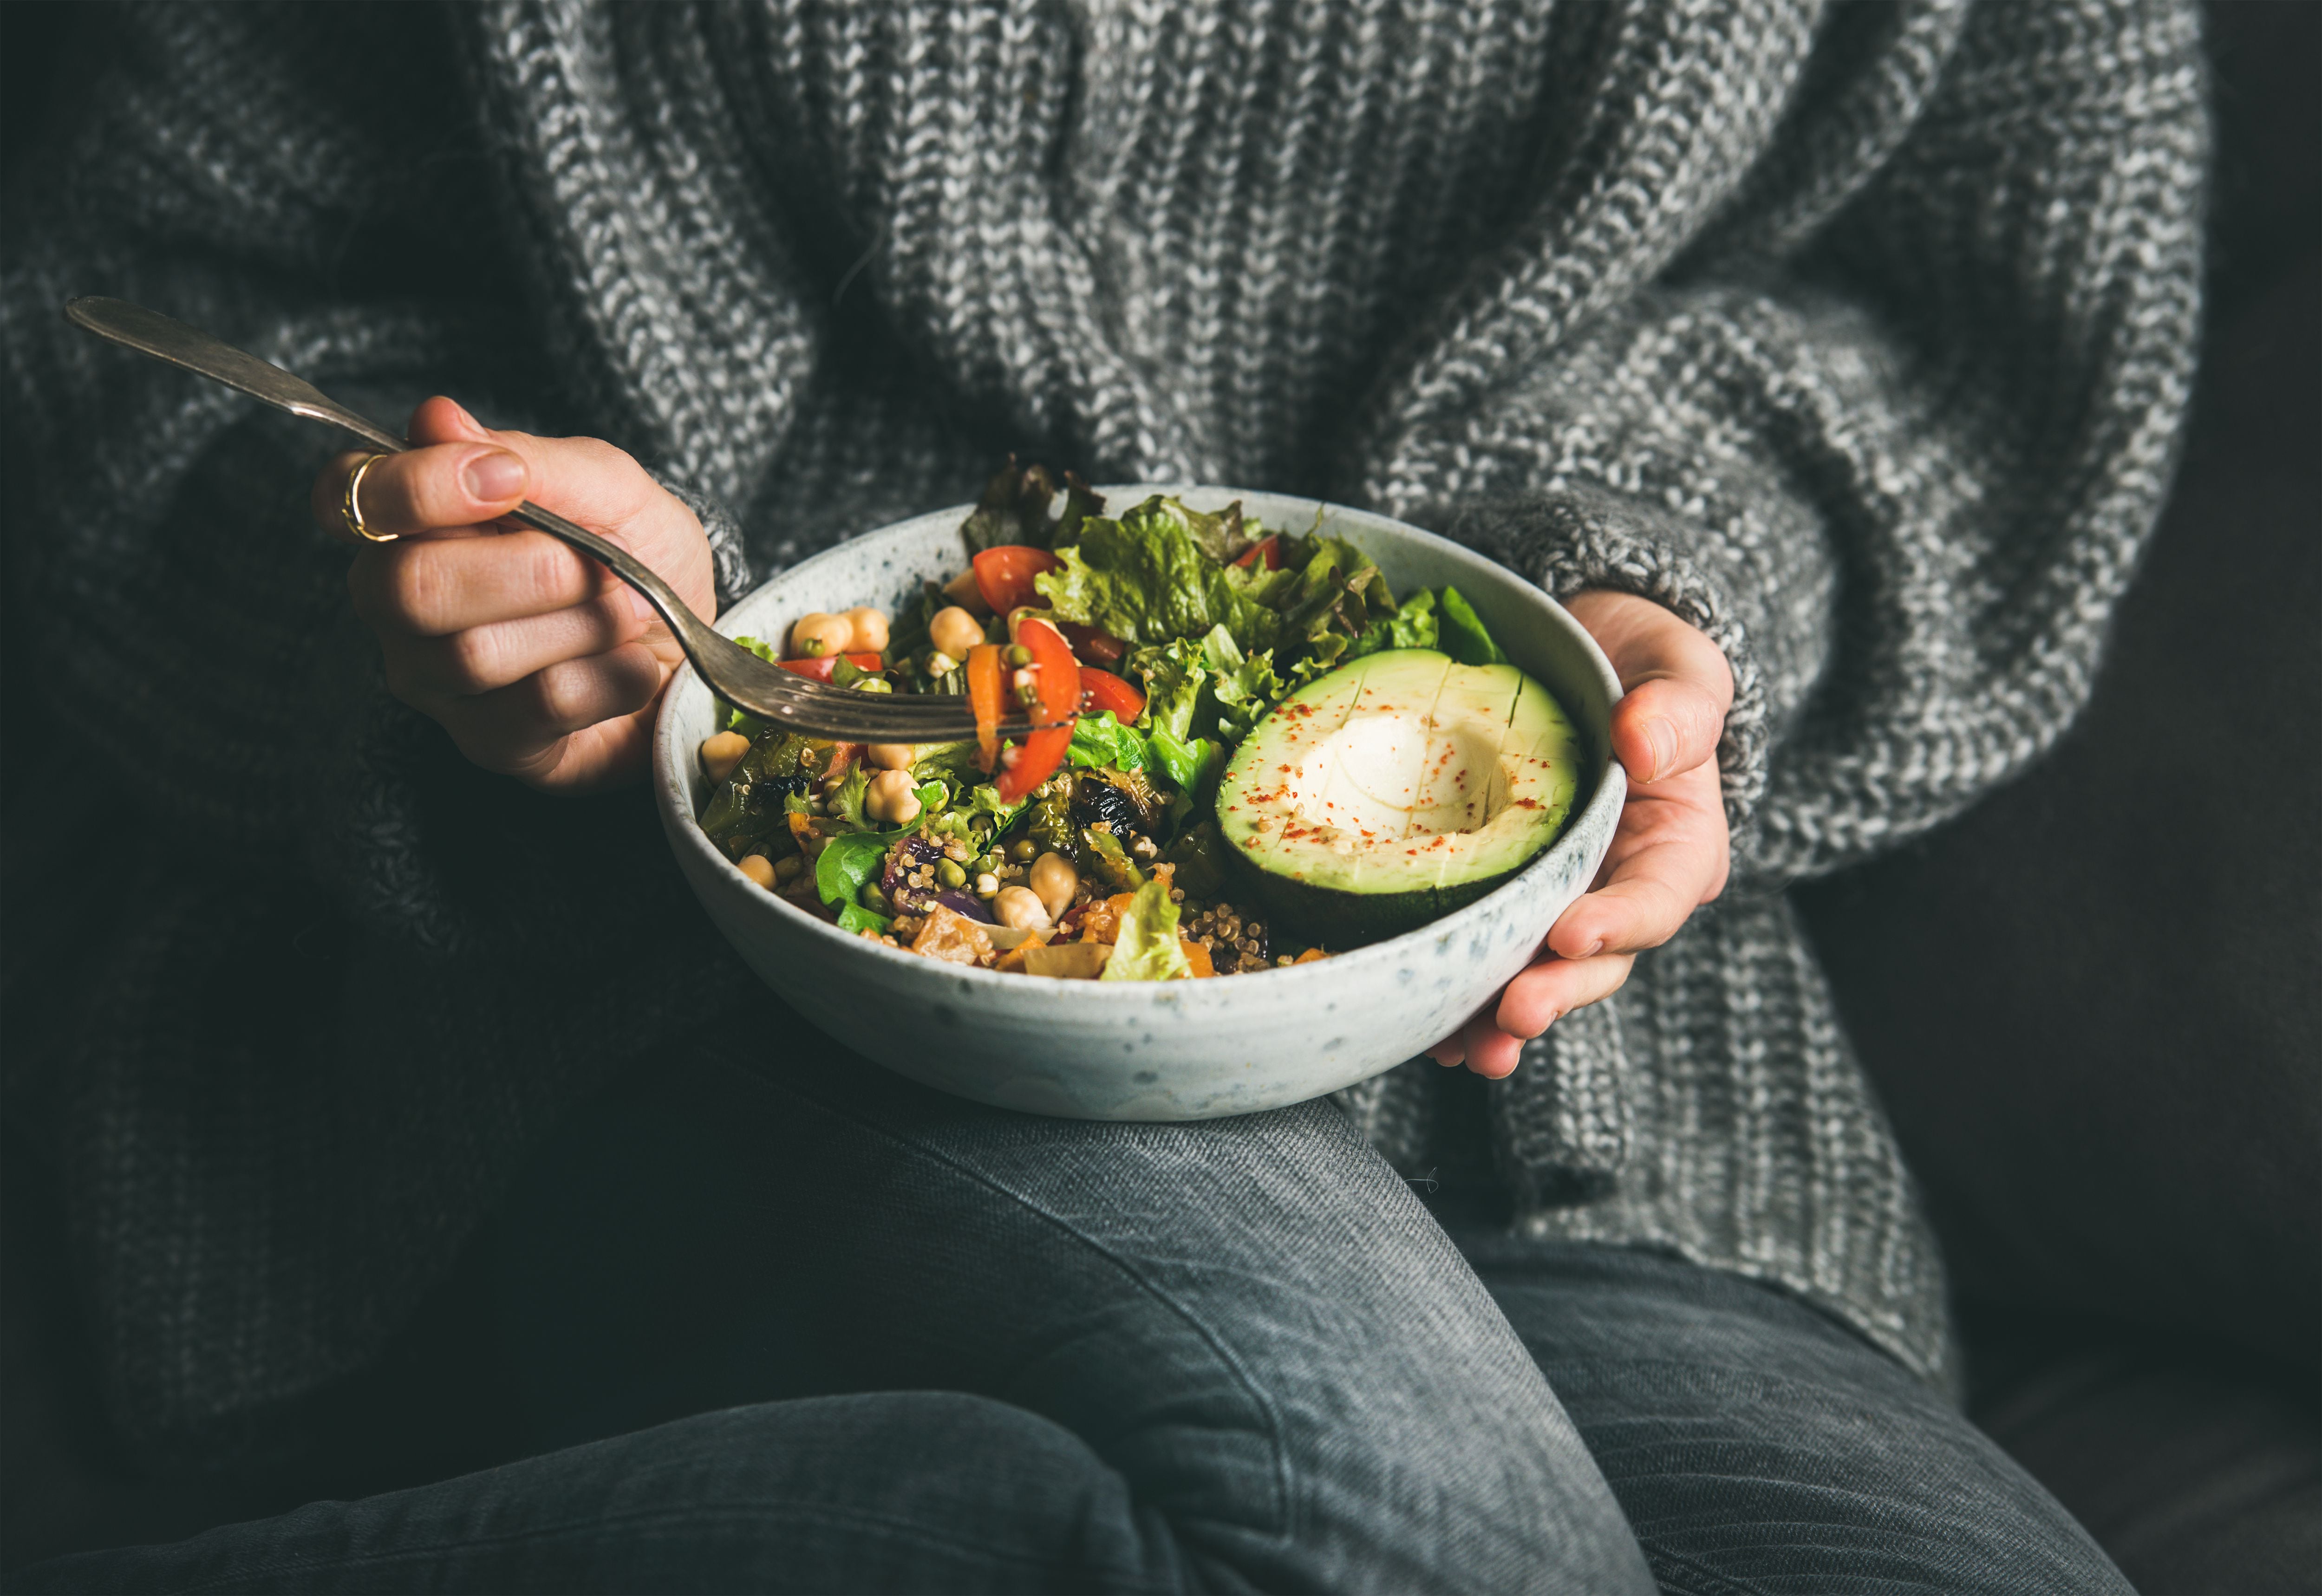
pixel 539 662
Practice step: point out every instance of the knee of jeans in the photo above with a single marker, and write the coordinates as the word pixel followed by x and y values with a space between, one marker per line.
pixel 1464 1474
pixel 1884 1483
pixel 914 1489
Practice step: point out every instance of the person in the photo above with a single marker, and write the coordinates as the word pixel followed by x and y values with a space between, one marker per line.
pixel 1829 364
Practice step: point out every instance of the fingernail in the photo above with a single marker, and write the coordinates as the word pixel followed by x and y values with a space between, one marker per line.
pixel 495 475
pixel 1590 952
pixel 1662 735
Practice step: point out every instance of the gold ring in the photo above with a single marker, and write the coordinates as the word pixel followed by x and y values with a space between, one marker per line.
pixel 352 510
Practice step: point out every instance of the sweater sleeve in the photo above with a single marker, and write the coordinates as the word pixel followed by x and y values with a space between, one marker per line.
pixel 339 980
pixel 1891 429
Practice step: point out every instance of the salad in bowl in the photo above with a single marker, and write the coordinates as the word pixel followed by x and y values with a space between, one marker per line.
pixel 1258 753
pixel 1302 759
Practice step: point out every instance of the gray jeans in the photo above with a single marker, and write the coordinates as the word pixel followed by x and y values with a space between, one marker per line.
pixel 813 1328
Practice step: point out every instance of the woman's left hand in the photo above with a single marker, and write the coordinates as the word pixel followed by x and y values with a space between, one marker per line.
pixel 1669 853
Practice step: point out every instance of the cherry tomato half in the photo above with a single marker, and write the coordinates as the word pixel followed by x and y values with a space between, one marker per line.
pixel 1089 644
pixel 1267 548
pixel 1059 679
pixel 1101 690
pixel 1004 576
pixel 820 669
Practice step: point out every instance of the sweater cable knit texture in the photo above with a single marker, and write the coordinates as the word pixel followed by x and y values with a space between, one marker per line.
pixel 1858 335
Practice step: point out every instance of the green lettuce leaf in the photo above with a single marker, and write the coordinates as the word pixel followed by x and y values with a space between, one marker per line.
pixel 1173 675
pixel 855 917
pixel 1465 638
pixel 954 762
pixel 1144 947
pixel 1413 623
pixel 1146 578
pixel 1101 739
pixel 1188 763
pixel 844 802
pixel 741 720
pixel 847 862
pixel 1339 591
pixel 1196 688
pixel 1244 688
pixel 986 800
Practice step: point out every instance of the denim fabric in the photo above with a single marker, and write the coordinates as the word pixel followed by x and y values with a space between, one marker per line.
pixel 811 1327
pixel 1757 1446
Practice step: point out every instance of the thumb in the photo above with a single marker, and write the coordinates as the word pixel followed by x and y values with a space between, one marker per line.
pixel 1664 726
pixel 1678 683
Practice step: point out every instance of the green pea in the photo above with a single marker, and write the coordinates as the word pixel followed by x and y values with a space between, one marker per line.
pixel 873 898
pixel 989 864
pixel 950 874
pixel 1019 655
pixel 1023 850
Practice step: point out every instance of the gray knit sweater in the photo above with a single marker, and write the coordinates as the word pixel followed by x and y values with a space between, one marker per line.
pixel 1858 335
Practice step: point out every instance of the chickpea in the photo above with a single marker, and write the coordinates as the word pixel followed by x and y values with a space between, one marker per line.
pixel 1020 908
pixel 892 796
pixel 893 756
pixel 722 753
pixel 819 636
pixel 953 631
pixel 1053 880
pixel 966 592
pixel 870 629
pixel 759 869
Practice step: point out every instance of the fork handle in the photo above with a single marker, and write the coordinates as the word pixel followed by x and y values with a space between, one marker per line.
pixel 150 333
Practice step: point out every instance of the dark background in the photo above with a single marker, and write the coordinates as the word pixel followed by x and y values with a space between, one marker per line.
pixel 2093 1004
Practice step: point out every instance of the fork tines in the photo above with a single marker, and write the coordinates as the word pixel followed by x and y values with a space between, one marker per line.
pixel 866 718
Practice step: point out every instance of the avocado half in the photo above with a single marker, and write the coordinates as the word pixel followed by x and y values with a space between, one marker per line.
pixel 1395 789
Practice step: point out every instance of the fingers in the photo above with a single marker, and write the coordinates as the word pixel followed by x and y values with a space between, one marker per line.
pixel 1490 1042
pixel 1670 853
pixel 1553 987
pixel 438 586
pixel 1670 857
pixel 514 729
pixel 481 658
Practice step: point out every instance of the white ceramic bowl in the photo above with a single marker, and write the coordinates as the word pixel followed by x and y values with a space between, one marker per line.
pixel 1168 1050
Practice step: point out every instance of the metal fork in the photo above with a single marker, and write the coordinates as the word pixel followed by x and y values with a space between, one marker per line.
pixel 733 672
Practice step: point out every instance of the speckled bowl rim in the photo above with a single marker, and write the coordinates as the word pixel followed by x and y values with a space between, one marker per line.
pixel 672 793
